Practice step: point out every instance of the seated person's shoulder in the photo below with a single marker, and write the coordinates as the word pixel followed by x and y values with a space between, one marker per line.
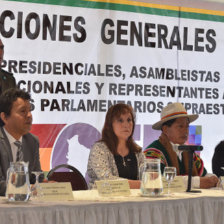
pixel 100 148
pixel 154 144
pixel 99 144
pixel 219 151
pixel 31 137
pixel 220 146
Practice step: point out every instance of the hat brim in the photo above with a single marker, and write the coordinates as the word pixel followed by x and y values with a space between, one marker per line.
pixel 158 125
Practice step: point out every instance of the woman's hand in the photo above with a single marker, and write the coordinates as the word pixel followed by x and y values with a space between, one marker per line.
pixel 134 184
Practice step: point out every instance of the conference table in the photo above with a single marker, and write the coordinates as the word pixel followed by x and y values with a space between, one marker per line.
pixel 88 207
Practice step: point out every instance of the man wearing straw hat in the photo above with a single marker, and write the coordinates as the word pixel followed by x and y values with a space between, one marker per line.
pixel 174 124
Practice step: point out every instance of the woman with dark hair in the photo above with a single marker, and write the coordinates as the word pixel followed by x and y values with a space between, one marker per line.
pixel 116 154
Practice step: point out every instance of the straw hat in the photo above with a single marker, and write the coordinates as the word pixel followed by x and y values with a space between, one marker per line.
pixel 172 111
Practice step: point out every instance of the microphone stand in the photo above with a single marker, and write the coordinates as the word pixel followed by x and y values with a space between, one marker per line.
pixel 190 166
pixel 191 149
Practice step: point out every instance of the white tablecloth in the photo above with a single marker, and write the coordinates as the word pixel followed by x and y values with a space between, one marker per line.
pixel 88 208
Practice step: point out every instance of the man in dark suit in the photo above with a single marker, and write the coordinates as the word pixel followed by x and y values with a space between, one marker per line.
pixel 6 79
pixel 15 122
pixel 218 160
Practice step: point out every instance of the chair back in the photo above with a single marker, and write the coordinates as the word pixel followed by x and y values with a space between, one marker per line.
pixel 73 176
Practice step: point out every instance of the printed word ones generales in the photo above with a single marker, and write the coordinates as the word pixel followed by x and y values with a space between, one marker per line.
pixel 67 28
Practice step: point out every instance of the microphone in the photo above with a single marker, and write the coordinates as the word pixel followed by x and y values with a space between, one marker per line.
pixel 190 148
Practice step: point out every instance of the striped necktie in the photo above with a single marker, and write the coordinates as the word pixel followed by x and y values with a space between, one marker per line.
pixel 19 154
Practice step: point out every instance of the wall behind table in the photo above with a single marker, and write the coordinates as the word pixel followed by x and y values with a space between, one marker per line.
pixel 78 59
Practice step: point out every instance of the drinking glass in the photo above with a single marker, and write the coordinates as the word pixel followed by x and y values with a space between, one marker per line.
pixel 36 189
pixel 169 173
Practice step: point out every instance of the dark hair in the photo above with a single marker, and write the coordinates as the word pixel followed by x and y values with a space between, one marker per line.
pixel 7 99
pixel 168 123
pixel 108 135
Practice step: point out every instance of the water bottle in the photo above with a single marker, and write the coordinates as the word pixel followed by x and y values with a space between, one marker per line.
pixel 18 183
pixel 151 178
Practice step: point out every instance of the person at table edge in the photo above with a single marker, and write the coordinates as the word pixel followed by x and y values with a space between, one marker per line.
pixel 7 79
pixel 116 155
pixel 15 124
pixel 218 160
pixel 174 124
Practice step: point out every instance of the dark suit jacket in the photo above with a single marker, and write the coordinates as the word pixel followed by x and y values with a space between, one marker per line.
pixel 30 148
pixel 218 160
pixel 7 81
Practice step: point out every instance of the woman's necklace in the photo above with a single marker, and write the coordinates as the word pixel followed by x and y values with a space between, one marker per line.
pixel 124 163
pixel 124 152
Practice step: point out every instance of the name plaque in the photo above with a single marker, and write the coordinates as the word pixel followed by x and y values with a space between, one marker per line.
pixel 117 187
pixel 177 185
pixel 56 191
